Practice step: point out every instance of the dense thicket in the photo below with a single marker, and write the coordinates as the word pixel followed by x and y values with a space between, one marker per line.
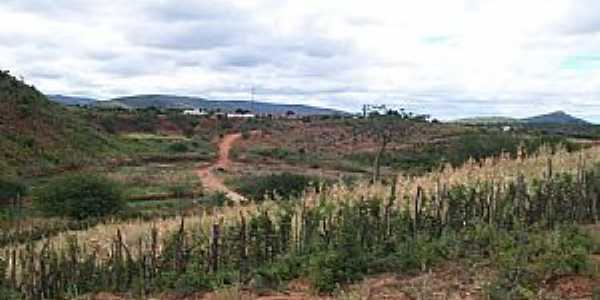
pixel 79 196
pixel 10 189
pixel 285 185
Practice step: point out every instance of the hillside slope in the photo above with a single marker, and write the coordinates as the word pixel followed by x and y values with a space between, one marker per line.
pixel 37 136
pixel 559 117
pixel 71 101
pixel 488 120
pixel 179 102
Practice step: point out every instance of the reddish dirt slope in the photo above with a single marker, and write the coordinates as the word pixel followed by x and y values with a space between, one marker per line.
pixel 210 180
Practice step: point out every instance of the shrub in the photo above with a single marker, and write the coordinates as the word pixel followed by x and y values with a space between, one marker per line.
pixel 79 196
pixel 526 258
pixel 596 293
pixel 274 276
pixel 245 134
pixel 219 199
pixel 286 185
pixel 178 147
pixel 10 189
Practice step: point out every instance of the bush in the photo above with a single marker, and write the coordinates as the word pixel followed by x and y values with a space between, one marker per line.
pixel 458 150
pixel 10 189
pixel 286 185
pixel 274 276
pixel 527 258
pixel 219 199
pixel 178 147
pixel 79 196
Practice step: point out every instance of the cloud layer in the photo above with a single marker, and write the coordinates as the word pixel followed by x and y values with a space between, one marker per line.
pixel 448 58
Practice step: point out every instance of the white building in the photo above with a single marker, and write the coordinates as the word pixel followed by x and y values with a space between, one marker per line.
pixel 241 116
pixel 195 112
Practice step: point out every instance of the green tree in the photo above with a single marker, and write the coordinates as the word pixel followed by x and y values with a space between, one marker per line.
pixel 79 196
pixel 10 189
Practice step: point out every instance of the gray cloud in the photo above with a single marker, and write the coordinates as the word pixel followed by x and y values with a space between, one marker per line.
pixel 309 54
pixel 192 35
pixel 582 18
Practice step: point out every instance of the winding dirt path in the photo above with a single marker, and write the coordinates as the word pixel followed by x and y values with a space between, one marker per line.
pixel 210 180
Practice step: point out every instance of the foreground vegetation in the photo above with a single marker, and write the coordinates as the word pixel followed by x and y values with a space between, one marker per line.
pixel 525 224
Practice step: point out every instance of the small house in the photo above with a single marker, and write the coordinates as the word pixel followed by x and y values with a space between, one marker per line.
pixel 195 112
pixel 241 116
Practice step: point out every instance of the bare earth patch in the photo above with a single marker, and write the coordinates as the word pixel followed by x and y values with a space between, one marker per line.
pixel 207 174
pixel 573 287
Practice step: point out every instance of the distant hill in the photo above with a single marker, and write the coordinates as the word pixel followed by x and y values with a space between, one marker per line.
pixel 488 120
pixel 179 102
pixel 558 118
pixel 37 135
pixel 71 101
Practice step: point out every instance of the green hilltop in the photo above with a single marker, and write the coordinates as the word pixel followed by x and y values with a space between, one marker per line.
pixel 488 120
pixel 38 136
pixel 557 118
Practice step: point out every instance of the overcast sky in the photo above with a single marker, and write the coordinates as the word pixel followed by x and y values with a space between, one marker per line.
pixel 448 58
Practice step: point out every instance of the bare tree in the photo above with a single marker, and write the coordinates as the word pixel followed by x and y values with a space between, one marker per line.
pixel 394 126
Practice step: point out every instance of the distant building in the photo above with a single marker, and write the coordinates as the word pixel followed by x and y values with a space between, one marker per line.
pixel 195 112
pixel 506 128
pixel 241 116
pixel 369 109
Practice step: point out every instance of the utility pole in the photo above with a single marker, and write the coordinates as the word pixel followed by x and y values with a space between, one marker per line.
pixel 252 101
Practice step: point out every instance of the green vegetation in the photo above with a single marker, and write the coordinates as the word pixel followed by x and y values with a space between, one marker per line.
pixel 301 157
pixel 284 185
pixel 457 151
pixel 10 189
pixel 527 258
pixel 146 181
pixel 38 136
pixel 79 196
pixel 281 153
pixel 218 199
pixel 526 232
pixel 147 148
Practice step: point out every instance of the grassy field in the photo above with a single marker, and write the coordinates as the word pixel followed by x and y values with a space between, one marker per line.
pixel 158 179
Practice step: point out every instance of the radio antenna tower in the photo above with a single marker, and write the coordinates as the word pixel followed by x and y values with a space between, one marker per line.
pixel 252 106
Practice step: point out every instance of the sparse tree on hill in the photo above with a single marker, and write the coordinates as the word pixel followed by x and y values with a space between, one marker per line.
pixel 386 128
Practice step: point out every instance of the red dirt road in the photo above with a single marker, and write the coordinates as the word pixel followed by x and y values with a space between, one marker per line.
pixel 210 180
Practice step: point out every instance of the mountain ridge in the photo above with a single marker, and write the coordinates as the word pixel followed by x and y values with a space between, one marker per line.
pixel 71 100
pixel 188 102
pixel 557 117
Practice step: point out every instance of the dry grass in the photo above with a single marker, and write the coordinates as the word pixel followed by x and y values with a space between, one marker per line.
pixel 149 136
pixel 499 170
pixel 155 178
